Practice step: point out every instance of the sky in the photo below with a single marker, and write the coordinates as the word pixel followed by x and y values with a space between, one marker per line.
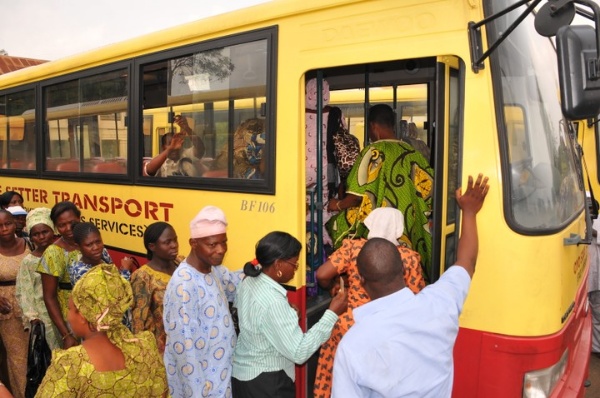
pixel 53 29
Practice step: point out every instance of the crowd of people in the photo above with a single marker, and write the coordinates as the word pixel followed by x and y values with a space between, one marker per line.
pixel 181 340
pixel 189 326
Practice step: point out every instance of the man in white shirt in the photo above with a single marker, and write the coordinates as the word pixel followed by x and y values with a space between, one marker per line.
pixel 401 344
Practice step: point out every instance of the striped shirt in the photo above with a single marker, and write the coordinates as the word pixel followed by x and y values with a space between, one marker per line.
pixel 270 338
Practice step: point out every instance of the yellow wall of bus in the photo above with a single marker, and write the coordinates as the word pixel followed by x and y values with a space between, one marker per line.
pixel 523 285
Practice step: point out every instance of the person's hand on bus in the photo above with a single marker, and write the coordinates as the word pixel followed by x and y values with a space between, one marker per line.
pixel 339 302
pixel 470 203
pixel 349 200
pixel 333 205
pixel 472 200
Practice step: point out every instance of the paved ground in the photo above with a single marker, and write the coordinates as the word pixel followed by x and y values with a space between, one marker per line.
pixel 593 391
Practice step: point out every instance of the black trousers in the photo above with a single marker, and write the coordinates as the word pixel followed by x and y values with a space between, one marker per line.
pixel 265 385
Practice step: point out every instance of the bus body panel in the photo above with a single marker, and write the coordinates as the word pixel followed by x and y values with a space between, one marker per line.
pixel 513 356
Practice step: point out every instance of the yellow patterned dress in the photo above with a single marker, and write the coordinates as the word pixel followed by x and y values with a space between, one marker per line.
pixel 149 288
pixel 55 262
pixel 390 173
pixel 101 297
pixel 72 374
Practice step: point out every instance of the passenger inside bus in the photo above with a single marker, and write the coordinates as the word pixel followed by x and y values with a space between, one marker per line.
pixel 174 160
pixel 342 151
pixel 388 173
pixel 249 147
pixel 413 139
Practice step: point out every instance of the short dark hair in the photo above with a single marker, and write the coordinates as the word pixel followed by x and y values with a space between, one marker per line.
pixel 382 114
pixel 379 261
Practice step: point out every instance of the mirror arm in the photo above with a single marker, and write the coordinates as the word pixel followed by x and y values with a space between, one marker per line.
pixel 474 28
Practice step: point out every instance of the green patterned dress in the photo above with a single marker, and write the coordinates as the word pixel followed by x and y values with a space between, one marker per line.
pixel 390 173
pixel 55 262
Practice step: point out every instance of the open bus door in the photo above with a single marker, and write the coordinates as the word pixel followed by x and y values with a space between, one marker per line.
pixel 426 92
pixel 447 126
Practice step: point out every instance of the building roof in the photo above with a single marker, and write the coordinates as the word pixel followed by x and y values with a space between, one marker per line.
pixel 10 64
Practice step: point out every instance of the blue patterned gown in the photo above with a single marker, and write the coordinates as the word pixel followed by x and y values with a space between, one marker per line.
pixel 200 332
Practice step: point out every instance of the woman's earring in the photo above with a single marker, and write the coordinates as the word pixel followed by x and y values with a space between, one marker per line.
pixel 279 273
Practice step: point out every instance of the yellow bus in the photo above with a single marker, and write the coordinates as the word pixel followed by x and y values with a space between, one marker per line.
pixel 476 79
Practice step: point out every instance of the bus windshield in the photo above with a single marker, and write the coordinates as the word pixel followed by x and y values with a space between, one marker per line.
pixel 543 189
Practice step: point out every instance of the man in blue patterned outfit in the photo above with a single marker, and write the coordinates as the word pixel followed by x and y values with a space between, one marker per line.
pixel 199 327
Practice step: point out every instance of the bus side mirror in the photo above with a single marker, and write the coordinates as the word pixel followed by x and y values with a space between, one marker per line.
pixel 578 71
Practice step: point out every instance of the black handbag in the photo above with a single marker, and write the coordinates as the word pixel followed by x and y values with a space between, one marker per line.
pixel 38 358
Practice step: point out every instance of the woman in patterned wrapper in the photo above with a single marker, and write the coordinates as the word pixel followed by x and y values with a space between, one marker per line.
pixel 111 361
pixel 383 222
pixel 53 268
pixel 150 281
pixel 388 173
pixel 29 283
pixel 12 252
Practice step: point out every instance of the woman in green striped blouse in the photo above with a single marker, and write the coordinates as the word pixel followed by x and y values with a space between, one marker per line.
pixel 271 340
